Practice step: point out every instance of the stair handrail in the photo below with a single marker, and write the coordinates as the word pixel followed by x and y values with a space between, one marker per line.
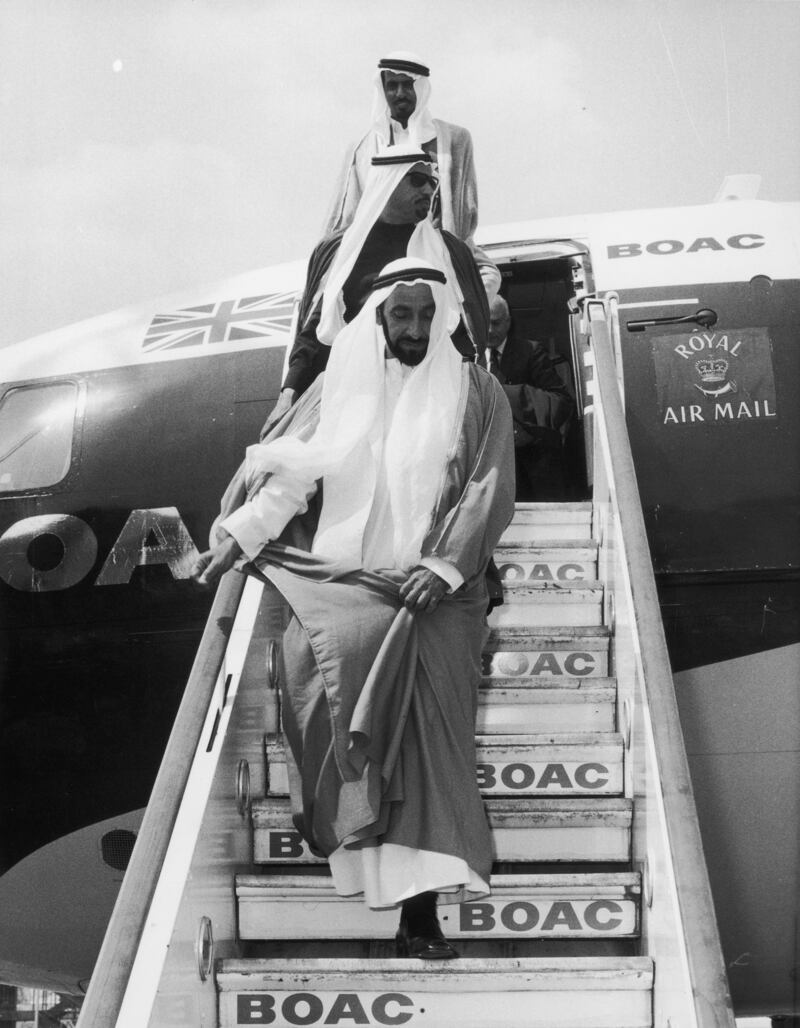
pixel 114 963
pixel 706 966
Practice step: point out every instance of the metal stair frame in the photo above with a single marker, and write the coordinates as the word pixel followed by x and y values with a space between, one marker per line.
pixel 679 929
pixel 176 911
pixel 678 925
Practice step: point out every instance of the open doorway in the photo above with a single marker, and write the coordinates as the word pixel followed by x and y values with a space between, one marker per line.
pixel 540 285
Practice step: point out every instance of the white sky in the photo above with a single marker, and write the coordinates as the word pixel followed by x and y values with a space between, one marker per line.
pixel 149 145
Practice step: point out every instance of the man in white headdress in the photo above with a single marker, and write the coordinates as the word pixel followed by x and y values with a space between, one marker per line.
pixel 392 221
pixel 400 115
pixel 413 449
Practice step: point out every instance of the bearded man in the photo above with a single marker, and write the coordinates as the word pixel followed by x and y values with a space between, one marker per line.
pixel 401 91
pixel 392 221
pixel 411 451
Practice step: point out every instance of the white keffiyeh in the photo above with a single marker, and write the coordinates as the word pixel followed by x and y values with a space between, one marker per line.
pixel 426 242
pixel 420 128
pixel 351 441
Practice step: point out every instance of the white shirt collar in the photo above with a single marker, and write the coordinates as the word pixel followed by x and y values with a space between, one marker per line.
pixel 497 349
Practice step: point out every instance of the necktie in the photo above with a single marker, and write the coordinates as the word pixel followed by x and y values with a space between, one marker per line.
pixel 494 362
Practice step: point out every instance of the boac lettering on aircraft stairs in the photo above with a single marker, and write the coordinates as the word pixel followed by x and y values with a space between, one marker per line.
pixel 550 766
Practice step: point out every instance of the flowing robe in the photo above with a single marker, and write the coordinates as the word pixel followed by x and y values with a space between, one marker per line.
pixel 379 705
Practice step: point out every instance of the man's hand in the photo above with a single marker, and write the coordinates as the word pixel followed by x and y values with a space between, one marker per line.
pixel 285 401
pixel 422 590
pixel 212 565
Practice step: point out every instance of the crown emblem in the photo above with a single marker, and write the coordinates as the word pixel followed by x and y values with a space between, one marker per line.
pixel 712 369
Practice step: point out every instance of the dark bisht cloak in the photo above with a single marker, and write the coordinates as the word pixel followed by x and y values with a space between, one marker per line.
pixel 379 705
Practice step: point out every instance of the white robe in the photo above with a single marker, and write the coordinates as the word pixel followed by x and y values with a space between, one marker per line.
pixel 283 496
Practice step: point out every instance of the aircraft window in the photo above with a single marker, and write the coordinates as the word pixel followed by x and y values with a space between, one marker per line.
pixel 36 424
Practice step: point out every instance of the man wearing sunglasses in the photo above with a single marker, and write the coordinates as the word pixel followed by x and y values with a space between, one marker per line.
pixel 400 115
pixel 392 221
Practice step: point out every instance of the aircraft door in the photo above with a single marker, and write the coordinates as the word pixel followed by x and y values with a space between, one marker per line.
pixel 541 283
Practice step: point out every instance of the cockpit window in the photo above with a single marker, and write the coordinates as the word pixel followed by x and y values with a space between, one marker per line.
pixel 36 430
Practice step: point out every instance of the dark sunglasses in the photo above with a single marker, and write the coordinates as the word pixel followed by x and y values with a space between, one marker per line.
pixel 419 179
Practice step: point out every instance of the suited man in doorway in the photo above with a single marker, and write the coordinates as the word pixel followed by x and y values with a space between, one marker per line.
pixel 541 405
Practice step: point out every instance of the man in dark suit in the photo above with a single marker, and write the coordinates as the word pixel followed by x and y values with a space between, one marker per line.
pixel 540 404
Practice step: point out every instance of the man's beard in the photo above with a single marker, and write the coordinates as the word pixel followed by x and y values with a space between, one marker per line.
pixel 422 209
pixel 413 356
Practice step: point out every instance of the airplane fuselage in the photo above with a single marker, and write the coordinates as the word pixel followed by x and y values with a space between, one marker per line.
pixel 101 621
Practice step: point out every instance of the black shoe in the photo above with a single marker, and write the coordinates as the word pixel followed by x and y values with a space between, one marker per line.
pixel 420 934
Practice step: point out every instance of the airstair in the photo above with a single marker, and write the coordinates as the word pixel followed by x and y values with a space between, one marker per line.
pixel 600 912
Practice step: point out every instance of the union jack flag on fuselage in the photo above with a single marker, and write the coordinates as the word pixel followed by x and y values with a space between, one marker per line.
pixel 226 321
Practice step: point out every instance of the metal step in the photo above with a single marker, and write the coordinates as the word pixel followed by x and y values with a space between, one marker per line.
pixel 573 764
pixel 588 992
pixel 535 830
pixel 525 705
pixel 517 651
pixel 579 764
pixel 587 830
pixel 542 522
pixel 562 653
pixel 543 604
pixel 569 906
pixel 548 561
